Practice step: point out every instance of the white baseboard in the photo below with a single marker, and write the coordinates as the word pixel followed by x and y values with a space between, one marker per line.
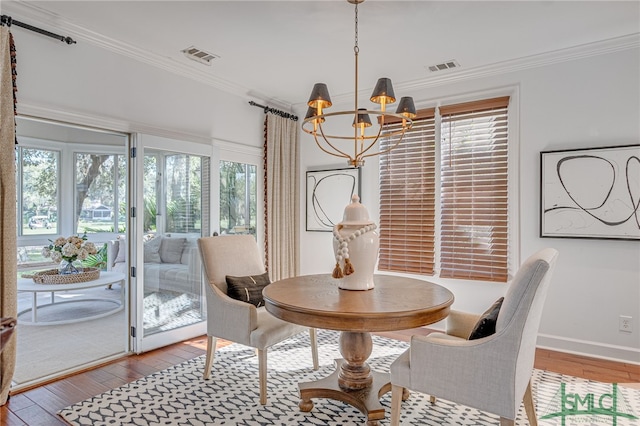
pixel 591 349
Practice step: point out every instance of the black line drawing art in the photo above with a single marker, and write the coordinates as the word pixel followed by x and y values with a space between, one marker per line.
pixel 328 193
pixel 591 193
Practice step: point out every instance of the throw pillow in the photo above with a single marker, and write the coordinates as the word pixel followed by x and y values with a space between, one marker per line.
pixel 152 250
pixel 122 250
pixel 171 249
pixel 248 289
pixel 486 325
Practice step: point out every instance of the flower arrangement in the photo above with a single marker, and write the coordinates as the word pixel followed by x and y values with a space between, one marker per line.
pixel 69 249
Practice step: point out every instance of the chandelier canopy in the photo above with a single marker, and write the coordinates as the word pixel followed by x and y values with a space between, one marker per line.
pixel 363 142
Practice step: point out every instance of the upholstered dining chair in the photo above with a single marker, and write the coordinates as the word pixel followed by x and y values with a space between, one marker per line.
pixel 491 373
pixel 235 320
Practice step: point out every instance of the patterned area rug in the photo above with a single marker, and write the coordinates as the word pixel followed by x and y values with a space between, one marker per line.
pixel 179 395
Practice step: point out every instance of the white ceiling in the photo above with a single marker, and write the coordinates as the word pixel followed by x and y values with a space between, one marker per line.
pixel 274 51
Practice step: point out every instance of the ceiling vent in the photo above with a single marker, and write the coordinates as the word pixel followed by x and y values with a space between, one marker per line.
pixel 199 55
pixel 444 66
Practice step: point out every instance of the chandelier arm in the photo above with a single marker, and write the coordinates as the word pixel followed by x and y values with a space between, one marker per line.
pixel 371 144
pixel 388 149
pixel 315 136
pixel 310 120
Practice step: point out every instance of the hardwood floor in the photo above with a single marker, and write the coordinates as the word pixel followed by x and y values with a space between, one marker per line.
pixel 38 406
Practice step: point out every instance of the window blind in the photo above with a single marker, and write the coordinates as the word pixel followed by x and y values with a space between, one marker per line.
pixel 407 198
pixel 473 190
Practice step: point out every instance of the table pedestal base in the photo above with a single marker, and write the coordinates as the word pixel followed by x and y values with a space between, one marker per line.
pixel 366 400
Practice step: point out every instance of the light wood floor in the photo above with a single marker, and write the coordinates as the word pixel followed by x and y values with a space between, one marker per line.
pixel 38 406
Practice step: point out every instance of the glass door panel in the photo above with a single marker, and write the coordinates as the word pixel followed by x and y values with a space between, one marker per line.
pixel 176 212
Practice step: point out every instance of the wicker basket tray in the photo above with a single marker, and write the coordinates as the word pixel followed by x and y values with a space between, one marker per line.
pixel 52 276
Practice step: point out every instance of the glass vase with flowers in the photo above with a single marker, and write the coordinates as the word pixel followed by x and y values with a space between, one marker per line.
pixel 66 251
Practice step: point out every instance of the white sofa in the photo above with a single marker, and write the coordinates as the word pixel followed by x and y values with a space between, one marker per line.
pixel 171 262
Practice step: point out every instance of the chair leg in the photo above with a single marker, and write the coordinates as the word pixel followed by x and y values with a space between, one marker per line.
pixel 507 422
pixel 211 351
pixel 529 406
pixel 314 347
pixel 262 367
pixel 396 402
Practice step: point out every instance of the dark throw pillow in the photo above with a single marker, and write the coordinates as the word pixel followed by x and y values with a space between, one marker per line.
pixel 486 325
pixel 248 289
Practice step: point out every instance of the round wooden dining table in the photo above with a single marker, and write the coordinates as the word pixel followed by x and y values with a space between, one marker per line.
pixel 395 303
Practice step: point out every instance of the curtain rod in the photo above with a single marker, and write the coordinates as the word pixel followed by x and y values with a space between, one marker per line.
pixel 8 21
pixel 275 111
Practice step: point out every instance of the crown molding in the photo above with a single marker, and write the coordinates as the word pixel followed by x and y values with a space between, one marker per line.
pixel 603 47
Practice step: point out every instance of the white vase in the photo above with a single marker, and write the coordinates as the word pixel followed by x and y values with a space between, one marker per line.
pixel 362 243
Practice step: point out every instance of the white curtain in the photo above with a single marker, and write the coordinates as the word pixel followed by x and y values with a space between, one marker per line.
pixel 282 197
pixel 8 262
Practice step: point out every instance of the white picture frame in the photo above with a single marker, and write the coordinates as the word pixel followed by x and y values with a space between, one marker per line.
pixel 328 193
pixel 590 193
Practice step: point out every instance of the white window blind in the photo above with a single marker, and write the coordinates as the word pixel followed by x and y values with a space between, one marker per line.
pixel 473 190
pixel 407 198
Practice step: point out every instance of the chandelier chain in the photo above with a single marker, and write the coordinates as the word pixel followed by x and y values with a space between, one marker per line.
pixel 356 49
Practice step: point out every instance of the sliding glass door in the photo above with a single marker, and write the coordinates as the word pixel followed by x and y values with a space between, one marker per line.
pixel 172 210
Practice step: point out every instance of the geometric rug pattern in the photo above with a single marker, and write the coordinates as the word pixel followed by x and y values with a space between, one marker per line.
pixel 179 395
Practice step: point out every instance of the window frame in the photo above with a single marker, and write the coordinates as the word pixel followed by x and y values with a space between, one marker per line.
pixel 407 219
pixel 469 174
pixel 66 178
pixel 513 183
pixel 39 144
pixel 251 155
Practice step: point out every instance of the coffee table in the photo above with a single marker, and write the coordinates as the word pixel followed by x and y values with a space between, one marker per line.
pixel 106 278
pixel 395 303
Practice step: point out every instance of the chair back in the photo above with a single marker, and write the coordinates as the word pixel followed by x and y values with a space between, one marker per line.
pixel 519 319
pixel 236 255
pixel 527 292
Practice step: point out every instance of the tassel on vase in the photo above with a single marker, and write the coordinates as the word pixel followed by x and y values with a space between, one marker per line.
pixel 348 267
pixel 337 272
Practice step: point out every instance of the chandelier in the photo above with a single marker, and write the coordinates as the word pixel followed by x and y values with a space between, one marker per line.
pixel 363 142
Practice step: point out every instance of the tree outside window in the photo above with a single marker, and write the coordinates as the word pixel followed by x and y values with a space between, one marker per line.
pixel 38 190
pixel 238 202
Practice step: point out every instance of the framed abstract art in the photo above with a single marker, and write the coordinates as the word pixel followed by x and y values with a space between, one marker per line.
pixel 591 193
pixel 328 193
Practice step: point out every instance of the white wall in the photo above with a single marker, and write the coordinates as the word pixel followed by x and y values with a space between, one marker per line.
pixel 588 102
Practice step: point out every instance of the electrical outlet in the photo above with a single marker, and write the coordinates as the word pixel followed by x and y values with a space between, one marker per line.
pixel 625 324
